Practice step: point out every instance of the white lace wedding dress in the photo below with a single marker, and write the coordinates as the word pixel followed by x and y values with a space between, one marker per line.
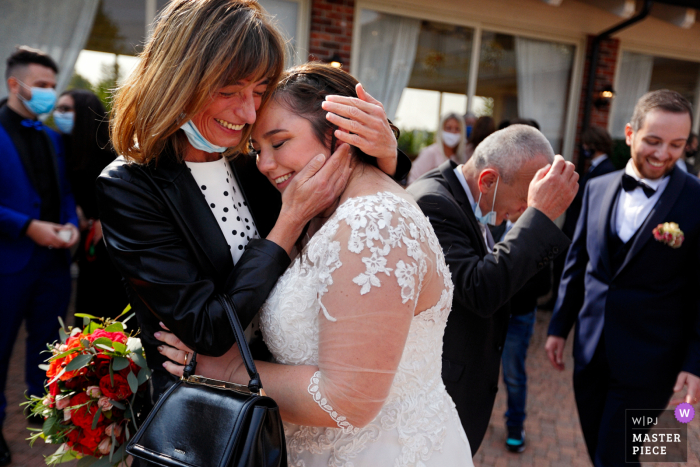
pixel 418 424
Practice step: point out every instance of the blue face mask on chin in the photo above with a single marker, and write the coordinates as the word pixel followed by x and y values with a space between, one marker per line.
pixel 42 100
pixel 489 217
pixel 198 141
pixel 64 121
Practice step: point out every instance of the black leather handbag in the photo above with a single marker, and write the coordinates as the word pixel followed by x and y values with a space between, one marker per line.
pixel 201 422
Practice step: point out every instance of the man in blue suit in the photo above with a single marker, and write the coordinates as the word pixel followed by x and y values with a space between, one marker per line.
pixel 38 221
pixel 634 299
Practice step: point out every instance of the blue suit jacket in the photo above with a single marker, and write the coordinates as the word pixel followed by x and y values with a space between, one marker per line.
pixel 648 310
pixel 19 201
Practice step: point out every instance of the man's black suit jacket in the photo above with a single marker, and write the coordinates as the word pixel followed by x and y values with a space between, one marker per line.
pixel 574 210
pixel 484 284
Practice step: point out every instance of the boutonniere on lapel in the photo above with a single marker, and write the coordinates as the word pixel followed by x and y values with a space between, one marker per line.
pixel 669 233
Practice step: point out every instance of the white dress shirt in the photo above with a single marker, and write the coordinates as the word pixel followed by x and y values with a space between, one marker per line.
pixel 595 162
pixel 484 231
pixel 633 207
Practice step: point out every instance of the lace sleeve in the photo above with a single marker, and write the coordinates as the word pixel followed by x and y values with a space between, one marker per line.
pixel 375 264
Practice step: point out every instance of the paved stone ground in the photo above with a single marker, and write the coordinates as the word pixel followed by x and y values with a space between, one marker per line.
pixel 552 429
pixel 553 433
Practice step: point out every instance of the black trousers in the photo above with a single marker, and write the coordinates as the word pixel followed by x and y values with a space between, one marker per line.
pixel 601 401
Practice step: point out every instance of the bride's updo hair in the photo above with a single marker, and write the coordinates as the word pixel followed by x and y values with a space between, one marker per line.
pixel 303 89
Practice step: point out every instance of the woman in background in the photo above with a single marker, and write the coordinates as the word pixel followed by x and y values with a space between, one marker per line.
pixel 450 143
pixel 82 119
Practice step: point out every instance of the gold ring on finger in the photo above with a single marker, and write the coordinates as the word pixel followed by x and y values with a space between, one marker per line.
pixel 186 355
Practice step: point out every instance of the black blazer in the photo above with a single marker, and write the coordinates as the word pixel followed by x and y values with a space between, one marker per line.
pixel 574 209
pixel 164 240
pixel 648 310
pixel 484 284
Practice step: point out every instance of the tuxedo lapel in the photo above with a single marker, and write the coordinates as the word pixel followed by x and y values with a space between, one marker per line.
pixel 447 169
pixel 658 213
pixel 605 220
pixel 189 204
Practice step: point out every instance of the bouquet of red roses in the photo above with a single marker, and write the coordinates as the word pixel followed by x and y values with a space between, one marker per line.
pixel 94 376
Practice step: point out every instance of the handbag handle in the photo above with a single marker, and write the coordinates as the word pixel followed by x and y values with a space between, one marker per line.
pixel 254 385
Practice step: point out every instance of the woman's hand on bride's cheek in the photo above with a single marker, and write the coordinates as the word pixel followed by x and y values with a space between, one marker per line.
pixel 317 185
pixel 364 123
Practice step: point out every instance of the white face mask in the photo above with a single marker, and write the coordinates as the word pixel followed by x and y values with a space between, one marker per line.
pixel 450 139
pixel 489 217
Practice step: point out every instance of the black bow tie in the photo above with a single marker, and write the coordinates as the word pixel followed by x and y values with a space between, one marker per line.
pixel 629 183
pixel 29 123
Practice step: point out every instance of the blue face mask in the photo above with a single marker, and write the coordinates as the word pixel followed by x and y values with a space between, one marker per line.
pixel 64 121
pixel 198 141
pixel 42 100
pixel 489 217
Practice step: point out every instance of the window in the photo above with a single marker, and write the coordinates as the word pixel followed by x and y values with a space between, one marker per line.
pixel 420 70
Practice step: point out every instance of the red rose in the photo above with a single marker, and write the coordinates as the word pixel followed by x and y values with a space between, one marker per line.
pixel 119 391
pixel 91 438
pixel 131 368
pixel 73 436
pixel 101 364
pixel 84 415
pixel 113 336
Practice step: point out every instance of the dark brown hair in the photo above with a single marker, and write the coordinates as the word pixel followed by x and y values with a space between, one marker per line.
pixel 483 127
pixel 303 89
pixel 91 128
pixel 24 56
pixel 663 99
pixel 597 139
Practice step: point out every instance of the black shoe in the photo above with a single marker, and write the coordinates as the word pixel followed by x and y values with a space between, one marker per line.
pixel 516 439
pixel 5 456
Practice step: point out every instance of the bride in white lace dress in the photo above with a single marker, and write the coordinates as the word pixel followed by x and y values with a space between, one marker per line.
pixel 355 324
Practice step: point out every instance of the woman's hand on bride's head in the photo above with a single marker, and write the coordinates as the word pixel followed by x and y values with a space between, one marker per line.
pixel 363 123
pixel 223 368
pixel 317 185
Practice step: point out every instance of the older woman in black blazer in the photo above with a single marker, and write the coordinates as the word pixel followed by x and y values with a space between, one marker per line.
pixel 183 220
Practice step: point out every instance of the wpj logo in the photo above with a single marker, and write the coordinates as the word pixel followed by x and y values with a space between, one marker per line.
pixel 655 436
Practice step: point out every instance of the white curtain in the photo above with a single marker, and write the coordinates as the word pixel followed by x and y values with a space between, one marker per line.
pixel 58 27
pixel 633 82
pixel 387 52
pixel 543 70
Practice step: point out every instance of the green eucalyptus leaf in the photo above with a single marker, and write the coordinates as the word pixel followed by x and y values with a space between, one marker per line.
pixel 96 418
pixel 111 376
pixel 137 357
pixel 92 327
pixel 115 327
pixel 144 374
pixel 117 404
pixel 133 382
pixel 79 362
pixel 103 341
pixel 62 335
pixel 119 363
pixel 119 347
pixel 48 425
pixel 65 354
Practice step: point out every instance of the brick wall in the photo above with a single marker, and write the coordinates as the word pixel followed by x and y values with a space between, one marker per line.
pixel 331 30
pixel 605 75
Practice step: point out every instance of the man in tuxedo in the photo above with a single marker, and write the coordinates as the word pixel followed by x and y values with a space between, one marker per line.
pixel 513 171
pixel 38 221
pixel 633 298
